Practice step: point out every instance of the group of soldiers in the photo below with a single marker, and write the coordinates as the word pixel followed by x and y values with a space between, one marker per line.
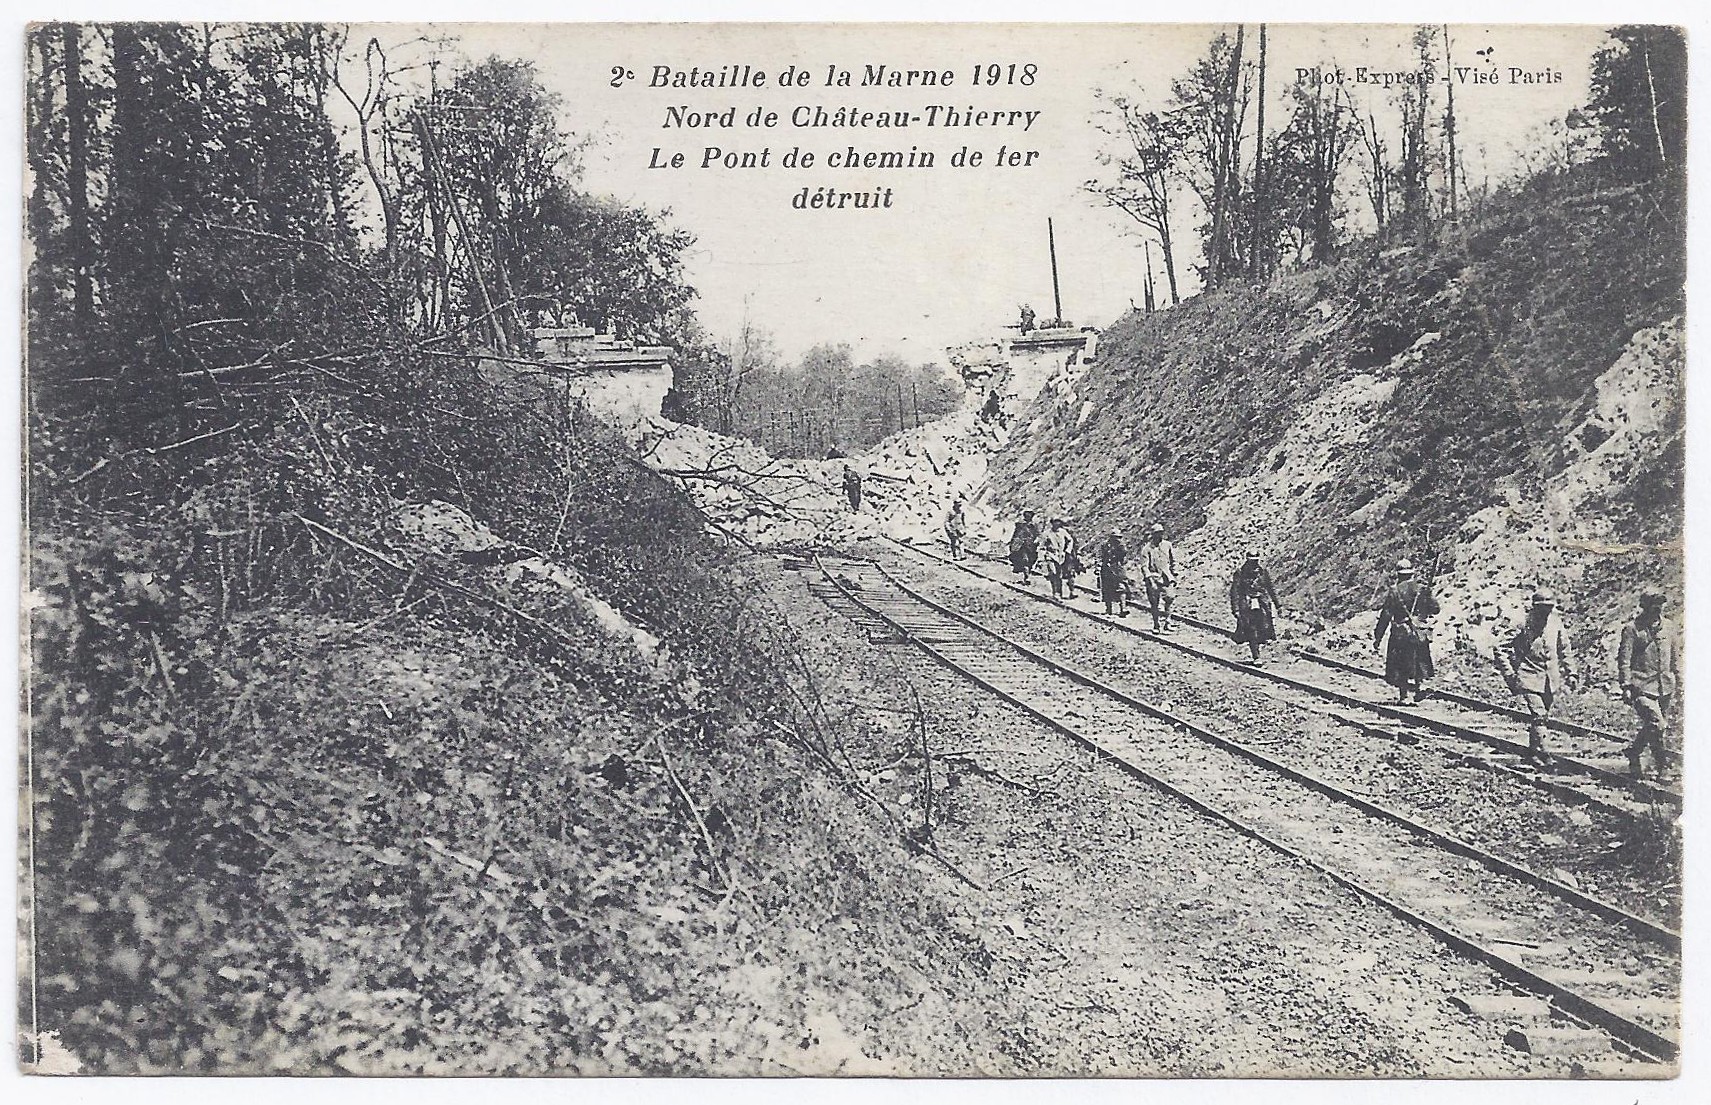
pixel 1055 553
pixel 1536 662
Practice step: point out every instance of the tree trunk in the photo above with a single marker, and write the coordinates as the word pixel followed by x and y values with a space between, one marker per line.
pixel 1169 260
pixel 39 132
pixel 1450 119
pixel 1223 164
pixel 77 174
pixel 1256 266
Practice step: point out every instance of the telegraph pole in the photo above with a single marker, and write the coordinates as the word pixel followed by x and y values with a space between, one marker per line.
pixel 1057 300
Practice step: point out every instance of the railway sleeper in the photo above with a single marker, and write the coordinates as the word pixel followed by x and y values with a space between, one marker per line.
pixel 1508 1008
pixel 1548 1040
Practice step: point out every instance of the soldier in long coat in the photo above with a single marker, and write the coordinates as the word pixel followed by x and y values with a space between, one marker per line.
pixel 852 487
pixel 1113 580
pixel 1024 540
pixel 1406 615
pixel 1253 600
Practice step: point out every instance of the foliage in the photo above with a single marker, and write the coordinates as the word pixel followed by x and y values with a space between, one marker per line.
pixel 1258 196
pixel 824 402
pixel 1303 167
pixel 1639 99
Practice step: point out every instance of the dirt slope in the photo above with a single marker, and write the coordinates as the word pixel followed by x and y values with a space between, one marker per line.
pixel 1507 398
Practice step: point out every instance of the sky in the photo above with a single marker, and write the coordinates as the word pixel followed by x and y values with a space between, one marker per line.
pixel 959 249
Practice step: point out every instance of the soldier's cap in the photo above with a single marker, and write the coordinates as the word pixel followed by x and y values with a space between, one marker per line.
pixel 1405 567
pixel 1651 597
pixel 1544 597
pixel 1116 531
pixel 1253 554
pixel 1157 528
pixel 1027 514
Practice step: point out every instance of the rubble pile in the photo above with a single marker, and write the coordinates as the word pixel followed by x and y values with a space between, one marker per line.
pixel 746 491
pixel 909 482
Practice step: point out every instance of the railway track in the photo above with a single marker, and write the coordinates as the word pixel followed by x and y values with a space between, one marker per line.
pixel 1587 976
pixel 1586 764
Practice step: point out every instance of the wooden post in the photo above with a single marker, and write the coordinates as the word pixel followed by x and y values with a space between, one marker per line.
pixel 1057 300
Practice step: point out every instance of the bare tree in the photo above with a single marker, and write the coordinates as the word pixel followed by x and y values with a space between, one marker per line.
pixel 744 357
pixel 1414 169
pixel 1146 172
pixel 1377 172
pixel 1210 111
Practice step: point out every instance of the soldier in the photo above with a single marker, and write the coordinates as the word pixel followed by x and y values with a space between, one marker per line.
pixel 1054 546
pixel 1113 583
pixel 1406 614
pixel 1647 665
pixel 1158 572
pixel 1072 565
pixel 1023 541
pixel 955 527
pixel 1252 601
pixel 1027 318
pixel 1536 663
pixel 852 487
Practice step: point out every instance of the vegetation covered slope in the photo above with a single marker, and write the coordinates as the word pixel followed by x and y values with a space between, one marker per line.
pixel 1489 341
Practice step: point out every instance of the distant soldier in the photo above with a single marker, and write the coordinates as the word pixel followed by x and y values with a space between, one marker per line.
pixel 1054 547
pixel 852 487
pixel 1113 582
pixel 956 526
pixel 1158 573
pixel 1535 663
pixel 1253 600
pixel 1024 541
pixel 1027 318
pixel 1648 669
pixel 1406 615
pixel 1072 565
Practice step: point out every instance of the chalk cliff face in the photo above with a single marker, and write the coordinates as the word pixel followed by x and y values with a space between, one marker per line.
pixel 1506 399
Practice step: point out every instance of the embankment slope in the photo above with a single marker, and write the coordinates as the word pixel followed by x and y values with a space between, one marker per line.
pixel 1506 399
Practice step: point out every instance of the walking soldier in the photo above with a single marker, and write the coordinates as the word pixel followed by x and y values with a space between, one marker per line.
pixel 1405 615
pixel 1072 565
pixel 1054 548
pixel 1252 601
pixel 852 487
pixel 1113 582
pixel 1647 668
pixel 1023 541
pixel 1158 572
pixel 1536 663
